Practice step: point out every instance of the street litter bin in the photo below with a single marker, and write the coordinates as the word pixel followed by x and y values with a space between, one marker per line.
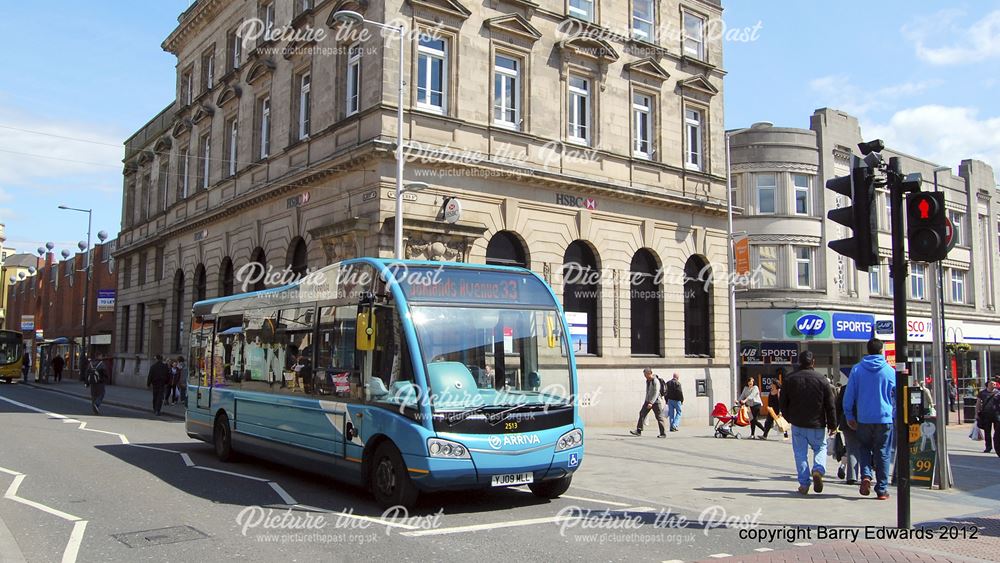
pixel 968 409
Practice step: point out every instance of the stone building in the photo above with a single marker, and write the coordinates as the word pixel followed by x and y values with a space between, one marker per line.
pixel 568 132
pixel 779 176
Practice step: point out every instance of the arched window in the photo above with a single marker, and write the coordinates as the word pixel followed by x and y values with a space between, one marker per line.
pixel 178 310
pixel 256 274
pixel 697 307
pixel 644 293
pixel 297 259
pixel 199 283
pixel 226 277
pixel 580 296
pixel 505 249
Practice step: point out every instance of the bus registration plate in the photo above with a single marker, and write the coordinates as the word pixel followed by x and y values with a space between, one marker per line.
pixel 513 479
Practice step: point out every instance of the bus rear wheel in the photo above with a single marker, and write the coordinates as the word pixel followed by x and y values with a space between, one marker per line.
pixel 222 438
pixel 553 488
pixel 390 481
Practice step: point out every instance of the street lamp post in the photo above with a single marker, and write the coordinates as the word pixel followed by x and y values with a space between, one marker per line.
pixel 86 284
pixel 349 17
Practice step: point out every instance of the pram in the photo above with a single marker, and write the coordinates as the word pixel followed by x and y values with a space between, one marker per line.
pixel 726 419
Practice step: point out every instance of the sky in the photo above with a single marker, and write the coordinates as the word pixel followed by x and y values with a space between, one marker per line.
pixel 920 75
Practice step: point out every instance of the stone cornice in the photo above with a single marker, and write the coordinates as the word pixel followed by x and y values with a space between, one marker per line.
pixel 191 22
pixel 783 238
pixel 781 166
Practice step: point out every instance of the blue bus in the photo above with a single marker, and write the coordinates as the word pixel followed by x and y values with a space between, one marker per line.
pixel 398 376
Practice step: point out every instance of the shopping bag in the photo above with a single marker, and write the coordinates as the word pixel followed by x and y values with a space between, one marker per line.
pixel 976 433
pixel 743 418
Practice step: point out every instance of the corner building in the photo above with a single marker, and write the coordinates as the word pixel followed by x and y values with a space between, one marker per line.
pixel 807 297
pixel 587 134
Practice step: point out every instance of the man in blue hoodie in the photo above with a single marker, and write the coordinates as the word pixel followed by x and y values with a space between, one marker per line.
pixel 869 405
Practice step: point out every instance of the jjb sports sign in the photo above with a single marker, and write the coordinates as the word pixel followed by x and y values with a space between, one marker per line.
pixel 822 325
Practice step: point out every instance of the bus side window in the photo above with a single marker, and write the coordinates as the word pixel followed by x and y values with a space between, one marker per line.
pixel 336 373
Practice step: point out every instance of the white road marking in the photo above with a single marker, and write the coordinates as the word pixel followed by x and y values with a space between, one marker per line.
pixel 224 472
pixel 802 544
pixel 64 418
pixel 674 561
pixel 187 460
pixel 763 549
pixel 639 509
pixel 494 526
pixel 359 517
pixel 75 539
pixel 79 524
pixel 281 493
pixel 720 555
pixel 145 447
pixel 585 499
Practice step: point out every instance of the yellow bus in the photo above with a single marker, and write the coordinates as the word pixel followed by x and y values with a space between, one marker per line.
pixel 11 355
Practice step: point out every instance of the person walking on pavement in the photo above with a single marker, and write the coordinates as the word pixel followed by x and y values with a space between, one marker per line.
pixel 988 416
pixel 57 367
pixel 774 403
pixel 750 396
pixel 96 376
pixel 652 402
pixel 182 379
pixel 869 406
pixel 851 463
pixel 807 402
pixel 675 400
pixel 158 379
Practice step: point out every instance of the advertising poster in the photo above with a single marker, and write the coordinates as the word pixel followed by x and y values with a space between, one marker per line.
pixel 577 331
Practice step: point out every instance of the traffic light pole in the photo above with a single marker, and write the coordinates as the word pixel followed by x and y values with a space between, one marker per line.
pixel 899 275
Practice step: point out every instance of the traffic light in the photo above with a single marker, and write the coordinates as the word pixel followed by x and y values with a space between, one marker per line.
pixel 928 231
pixel 860 217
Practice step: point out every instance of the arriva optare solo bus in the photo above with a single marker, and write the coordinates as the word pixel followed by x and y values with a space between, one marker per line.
pixel 399 376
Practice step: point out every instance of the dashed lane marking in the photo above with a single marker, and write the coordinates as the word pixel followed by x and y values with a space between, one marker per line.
pixel 359 517
pixel 763 549
pixel 493 526
pixel 720 555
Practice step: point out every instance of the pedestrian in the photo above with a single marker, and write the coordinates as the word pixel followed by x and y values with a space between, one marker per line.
pixel 869 407
pixel 675 400
pixel 807 402
pixel 158 379
pixel 653 401
pixel 96 376
pixel 988 416
pixel 182 379
pixel 57 367
pixel 25 366
pixel 750 396
pixel 851 466
pixel 773 403
pixel 171 395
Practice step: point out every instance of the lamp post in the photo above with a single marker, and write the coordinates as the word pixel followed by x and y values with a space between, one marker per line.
pixel 733 353
pixel 943 467
pixel 349 17
pixel 86 283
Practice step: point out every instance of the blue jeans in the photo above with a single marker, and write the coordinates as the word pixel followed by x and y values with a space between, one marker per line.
pixel 674 413
pixel 802 440
pixel 874 453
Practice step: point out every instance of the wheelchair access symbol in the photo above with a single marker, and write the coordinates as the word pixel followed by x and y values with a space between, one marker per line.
pixel 574 460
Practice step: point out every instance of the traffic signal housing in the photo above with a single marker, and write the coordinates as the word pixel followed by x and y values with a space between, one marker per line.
pixel 928 232
pixel 862 246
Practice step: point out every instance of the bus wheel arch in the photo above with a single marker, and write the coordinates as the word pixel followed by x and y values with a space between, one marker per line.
pixel 222 436
pixel 387 476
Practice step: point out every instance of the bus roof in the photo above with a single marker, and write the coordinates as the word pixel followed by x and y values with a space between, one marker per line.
pixel 289 294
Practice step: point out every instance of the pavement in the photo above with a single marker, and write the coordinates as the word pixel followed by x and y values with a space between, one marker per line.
pixel 688 497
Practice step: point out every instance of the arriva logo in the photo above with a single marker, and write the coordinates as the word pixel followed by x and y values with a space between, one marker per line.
pixel 810 325
pixel 496 442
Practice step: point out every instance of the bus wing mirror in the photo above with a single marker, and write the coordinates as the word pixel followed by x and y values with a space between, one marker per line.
pixel 365 331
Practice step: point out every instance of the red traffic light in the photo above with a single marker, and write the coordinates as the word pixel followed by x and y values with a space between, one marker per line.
pixel 925 204
pixel 925 209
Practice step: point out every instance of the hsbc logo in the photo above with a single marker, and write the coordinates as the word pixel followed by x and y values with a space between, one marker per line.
pixel 570 200
pixel 496 442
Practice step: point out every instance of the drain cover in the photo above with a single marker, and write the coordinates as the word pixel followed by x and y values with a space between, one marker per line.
pixel 160 536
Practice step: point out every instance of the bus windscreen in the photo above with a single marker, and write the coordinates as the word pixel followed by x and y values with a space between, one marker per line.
pixel 471 286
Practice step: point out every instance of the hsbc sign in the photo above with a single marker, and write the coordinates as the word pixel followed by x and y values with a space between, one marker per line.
pixel 570 200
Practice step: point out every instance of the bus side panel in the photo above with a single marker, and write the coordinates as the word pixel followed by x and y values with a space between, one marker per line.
pixel 296 421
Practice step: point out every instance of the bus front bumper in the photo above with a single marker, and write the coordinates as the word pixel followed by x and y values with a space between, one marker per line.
pixel 439 474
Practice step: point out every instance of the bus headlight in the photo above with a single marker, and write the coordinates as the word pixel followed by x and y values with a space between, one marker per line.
pixel 447 449
pixel 571 439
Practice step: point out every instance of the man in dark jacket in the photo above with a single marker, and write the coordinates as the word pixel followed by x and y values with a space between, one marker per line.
pixel 57 367
pixel 158 379
pixel 807 402
pixel 675 400
pixel 651 402
pixel 95 376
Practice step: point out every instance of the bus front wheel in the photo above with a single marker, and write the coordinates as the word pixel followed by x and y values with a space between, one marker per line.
pixel 551 489
pixel 223 438
pixel 390 481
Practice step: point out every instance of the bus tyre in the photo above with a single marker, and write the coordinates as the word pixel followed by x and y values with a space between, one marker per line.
pixel 8 380
pixel 390 481
pixel 222 438
pixel 553 488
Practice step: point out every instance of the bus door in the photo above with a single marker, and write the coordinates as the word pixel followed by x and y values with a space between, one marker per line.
pixel 199 360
